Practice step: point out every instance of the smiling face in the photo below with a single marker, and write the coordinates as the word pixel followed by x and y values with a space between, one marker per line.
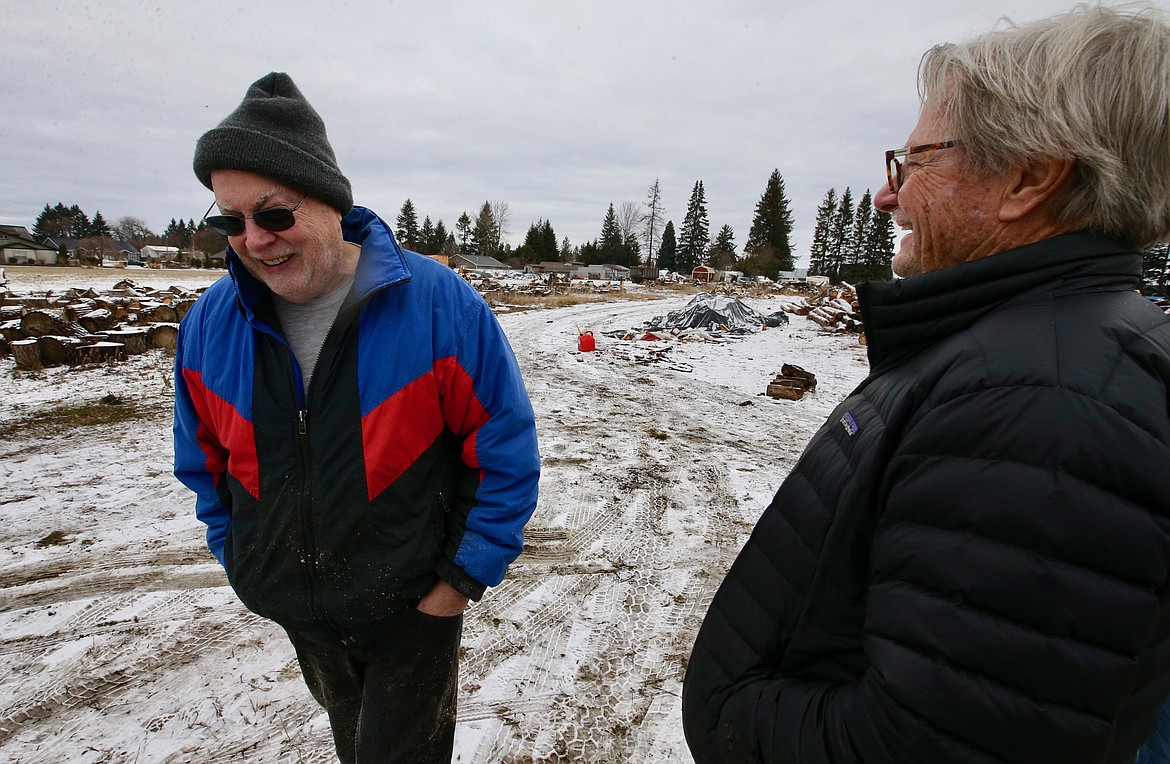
pixel 950 215
pixel 301 263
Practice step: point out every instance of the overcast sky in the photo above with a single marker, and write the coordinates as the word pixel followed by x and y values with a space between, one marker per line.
pixel 557 109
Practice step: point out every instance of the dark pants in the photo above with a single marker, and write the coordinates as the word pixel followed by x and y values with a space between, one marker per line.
pixel 395 700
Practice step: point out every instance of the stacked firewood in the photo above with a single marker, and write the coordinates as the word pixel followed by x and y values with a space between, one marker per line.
pixel 83 326
pixel 833 306
pixel 791 383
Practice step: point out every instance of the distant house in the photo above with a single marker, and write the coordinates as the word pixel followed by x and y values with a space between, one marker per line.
pixel 703 274
pixel 64 246
pixel 444 259
pixel 577 270
pixel 16 232
pixel 126 250
pixel 478 263
pixel 22 251
pixel 552 267
pixel 157 253
pixel 603 272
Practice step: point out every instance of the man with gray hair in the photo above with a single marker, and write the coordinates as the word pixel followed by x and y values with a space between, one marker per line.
pixel 354 426
pixel 971 560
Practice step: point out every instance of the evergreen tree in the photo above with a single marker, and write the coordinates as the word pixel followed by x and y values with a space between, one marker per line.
pixel 819 258
pixel 177 235
pixel 99 227
pixel 668 249
pixel 652 221
pixel 880 244
pixel 695 236
pixel 548 243
pixel 463 227
pixel 46 225
pixel 632 254
pixel 862 222
pixel 842 246
pixel 610 244
pixel 484 236
pixel 590 253
pixel 722 253
pixel 566 253
pixel 540 244
pixel 408 234
pixel 426 237
pixel 772 225
pixel 441 240
pixel 61 222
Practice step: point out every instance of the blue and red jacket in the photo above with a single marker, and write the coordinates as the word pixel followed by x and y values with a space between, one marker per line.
pixel 411 457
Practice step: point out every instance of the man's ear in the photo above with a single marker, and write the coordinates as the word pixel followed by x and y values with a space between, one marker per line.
pixel 1033 185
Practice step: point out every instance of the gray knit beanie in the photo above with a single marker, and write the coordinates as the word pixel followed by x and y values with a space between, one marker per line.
pixel 274 132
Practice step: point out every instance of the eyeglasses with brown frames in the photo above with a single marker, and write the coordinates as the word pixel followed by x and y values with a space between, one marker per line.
pixel 894 167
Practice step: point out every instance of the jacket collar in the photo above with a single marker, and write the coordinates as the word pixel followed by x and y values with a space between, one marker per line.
pixel 903 317
pixel 382 263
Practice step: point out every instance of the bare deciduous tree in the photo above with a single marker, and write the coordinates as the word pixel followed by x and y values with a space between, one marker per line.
pixel 652 218
pixel 502 215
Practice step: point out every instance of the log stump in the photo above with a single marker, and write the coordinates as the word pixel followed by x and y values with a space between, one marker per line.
pixel 98 320
pixel 58 351
pixel 134 340
pixel 27 354
pixel 159 314
pixel 164 336
pixel 182 307
pixel 101 352
pixel 37 323
pixel 10 330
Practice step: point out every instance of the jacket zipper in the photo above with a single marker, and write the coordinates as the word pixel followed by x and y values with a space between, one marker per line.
pixel 311 558
pixel 307 539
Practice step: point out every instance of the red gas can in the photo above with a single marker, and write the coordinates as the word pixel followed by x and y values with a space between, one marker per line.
pixel 585 342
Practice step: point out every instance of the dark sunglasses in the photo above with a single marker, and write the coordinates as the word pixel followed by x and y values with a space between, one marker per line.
pixel 274 219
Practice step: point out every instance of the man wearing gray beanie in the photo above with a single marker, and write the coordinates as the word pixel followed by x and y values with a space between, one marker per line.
pixel 354 425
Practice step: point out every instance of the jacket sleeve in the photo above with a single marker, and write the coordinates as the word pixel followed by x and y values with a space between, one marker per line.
pixel 200 459
pixel 1013 600
pixel 485 404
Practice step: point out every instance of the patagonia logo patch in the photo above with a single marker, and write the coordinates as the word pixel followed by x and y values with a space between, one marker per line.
pixel 850 424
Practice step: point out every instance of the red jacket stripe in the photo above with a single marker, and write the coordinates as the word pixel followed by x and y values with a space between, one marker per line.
pixel 462 411
pixel 230 442
pixel 398 431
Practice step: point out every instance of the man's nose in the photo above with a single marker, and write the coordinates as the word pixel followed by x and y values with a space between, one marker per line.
pixel 255 237
pixel 885 200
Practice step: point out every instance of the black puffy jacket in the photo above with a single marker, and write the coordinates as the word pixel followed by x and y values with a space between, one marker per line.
pixel 970 562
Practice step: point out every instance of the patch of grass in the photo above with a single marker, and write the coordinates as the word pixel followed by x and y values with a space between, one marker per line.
pixel 72 416
pixel 658 434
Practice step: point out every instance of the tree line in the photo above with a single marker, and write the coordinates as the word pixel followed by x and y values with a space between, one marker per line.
pixel 856 241
pixel 851 242
pixel 97 238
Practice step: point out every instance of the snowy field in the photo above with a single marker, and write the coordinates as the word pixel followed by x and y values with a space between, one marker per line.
pixel 120 640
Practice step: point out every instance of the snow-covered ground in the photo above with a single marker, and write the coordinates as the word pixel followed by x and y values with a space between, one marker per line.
pixel 121 642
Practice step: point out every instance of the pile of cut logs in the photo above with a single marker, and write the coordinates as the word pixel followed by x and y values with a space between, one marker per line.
pixel 834 306
pixel 791 383
pixel 81 326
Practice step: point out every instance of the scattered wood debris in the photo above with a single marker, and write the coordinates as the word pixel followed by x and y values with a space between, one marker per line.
pixel 83 326
pixel 833 306
pixel 791 383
